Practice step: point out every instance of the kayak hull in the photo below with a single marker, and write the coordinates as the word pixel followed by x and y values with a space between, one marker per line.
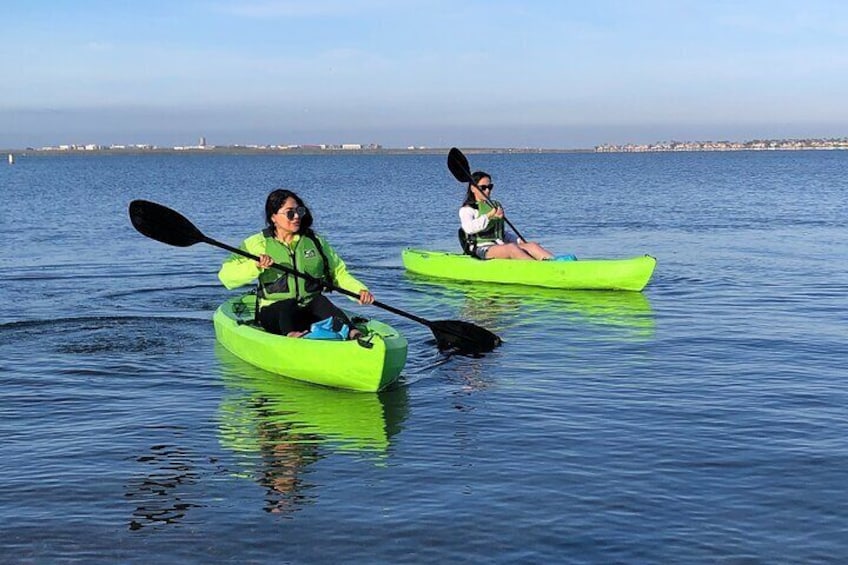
pixel 369 364
pixel 586 274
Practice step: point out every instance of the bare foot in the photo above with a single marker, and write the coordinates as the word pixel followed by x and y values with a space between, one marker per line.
pixel 296 334
pixel 354 333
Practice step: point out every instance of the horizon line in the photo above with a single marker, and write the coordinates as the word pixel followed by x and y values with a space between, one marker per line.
pixel 671 145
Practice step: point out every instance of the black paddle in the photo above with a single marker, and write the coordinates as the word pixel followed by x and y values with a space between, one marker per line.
pixel 170 227
pixel 458 165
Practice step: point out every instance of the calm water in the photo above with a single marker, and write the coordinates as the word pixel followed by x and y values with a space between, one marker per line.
pixel 703 420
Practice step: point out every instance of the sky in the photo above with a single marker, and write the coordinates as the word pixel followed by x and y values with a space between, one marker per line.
pixel 476 73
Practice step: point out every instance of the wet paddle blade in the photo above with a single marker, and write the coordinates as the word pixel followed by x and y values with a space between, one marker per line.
pixel 463 337
pixel 458 165
pixel 163 224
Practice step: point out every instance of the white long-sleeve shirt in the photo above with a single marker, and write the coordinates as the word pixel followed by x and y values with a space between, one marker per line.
pixel 473 222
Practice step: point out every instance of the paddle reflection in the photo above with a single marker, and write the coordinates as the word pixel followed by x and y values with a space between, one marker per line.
pixel 500 307
pixel 278 427
pixel 161 493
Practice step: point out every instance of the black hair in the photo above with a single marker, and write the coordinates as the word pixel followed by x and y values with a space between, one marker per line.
pixel 276 200
pixel 476 177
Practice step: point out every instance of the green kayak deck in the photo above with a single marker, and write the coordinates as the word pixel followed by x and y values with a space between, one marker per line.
pixel 585 274
pixel 368 364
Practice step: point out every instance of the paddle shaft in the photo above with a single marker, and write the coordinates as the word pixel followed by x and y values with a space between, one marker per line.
pixel 328 284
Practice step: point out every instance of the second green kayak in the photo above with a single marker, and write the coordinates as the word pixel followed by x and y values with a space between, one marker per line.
pixel 368 364
pixel 584 274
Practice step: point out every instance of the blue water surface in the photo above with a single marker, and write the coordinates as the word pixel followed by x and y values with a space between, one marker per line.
pixel 703 420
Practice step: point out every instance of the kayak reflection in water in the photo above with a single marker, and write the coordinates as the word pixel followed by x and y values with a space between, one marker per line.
pixel 483 226
pixel 275 430
pixel 289 305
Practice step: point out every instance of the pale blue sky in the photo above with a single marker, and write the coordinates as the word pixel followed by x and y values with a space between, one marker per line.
pixel 490 73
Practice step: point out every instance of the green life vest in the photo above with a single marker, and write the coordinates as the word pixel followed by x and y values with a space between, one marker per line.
pixel 306 257
pixel 494 231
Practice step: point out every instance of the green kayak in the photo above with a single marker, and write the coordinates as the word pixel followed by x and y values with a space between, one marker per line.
pixel 368 364
pixel 584 274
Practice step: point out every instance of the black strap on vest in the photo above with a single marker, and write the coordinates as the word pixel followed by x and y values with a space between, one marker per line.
pixel 327 281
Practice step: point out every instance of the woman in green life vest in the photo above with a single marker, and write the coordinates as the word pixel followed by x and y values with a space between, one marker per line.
pixel 483 226
pixel 289 305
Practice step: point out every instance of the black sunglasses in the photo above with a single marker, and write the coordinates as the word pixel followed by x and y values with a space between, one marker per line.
pixel 300 211
pixel 486 186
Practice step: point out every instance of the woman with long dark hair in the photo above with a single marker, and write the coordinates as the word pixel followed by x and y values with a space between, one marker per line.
pixel 482 222
pixel 289 305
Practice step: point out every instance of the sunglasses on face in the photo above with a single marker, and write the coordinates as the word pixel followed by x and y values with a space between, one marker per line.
pixel 489 186
pixel 290 213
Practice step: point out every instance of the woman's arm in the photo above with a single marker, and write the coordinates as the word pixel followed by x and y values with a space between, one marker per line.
pixel 338 269
pixel 238 271
pixel 471 220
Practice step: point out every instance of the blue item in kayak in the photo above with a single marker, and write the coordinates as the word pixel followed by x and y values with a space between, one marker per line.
pixel 567 257
pixel 324 330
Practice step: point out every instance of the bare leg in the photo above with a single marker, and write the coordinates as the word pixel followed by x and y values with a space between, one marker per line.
pixel 508 251
pixel 537 251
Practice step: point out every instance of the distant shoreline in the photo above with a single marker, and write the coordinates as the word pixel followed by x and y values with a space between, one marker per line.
pixel 753 145
pixel 659 147
pixel 237 150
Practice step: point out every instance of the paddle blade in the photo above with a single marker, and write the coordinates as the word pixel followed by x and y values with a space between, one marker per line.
pixel 163 224
pixel 458 165
pixel 463 337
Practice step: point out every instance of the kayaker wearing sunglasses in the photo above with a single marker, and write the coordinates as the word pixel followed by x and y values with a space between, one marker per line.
pixel 289 305
pixel 483 226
